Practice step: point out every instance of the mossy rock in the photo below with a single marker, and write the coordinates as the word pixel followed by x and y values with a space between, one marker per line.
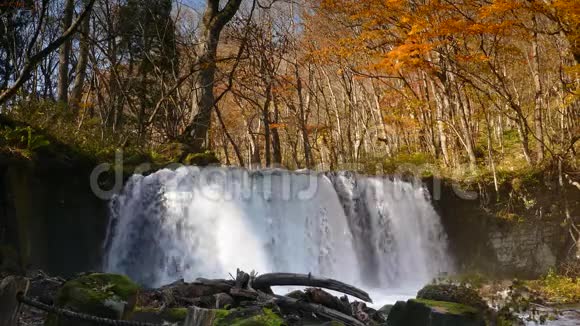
pixel 452 293
pixel 104 295
pixel 248 317
pixel 421 312
pixel 449 307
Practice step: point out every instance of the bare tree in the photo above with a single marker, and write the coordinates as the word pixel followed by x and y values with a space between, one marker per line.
pixel 81 66
pixel 35 59
pixel 213 23
pixel 64 53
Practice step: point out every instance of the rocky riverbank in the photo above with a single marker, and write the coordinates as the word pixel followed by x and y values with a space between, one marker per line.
pixel 248 299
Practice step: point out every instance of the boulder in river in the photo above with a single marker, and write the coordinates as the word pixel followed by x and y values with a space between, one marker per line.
pixel 422 312
pixel 452 293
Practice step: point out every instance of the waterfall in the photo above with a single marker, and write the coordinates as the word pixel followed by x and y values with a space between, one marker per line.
pixel 373 232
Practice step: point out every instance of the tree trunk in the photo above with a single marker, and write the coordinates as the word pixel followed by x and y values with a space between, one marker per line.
pixel 81 67
pixel 276 147
pixel 214 21
pixel 535 64
pixel 523 132
pixel 266 121
pixel 303 117
pixel 64 54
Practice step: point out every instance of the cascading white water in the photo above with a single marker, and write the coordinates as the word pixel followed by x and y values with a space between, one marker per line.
pixel 373 232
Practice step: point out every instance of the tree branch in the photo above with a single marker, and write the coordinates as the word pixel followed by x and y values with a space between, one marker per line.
pixel 33 61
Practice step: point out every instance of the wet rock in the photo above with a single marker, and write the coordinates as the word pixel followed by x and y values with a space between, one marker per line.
pixel 326 299
pixel 298 295
pixel 223 300
pixel 385 310
pixel 44 288
pixel 421 312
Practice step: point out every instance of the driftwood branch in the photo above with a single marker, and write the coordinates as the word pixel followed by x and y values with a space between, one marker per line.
pixel 223 285
pixel 311 308
pixel 292 279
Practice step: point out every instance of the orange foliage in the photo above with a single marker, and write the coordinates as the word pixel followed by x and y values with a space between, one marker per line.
pixel 405 34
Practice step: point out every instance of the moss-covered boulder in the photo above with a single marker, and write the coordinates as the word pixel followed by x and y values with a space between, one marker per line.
pixel 104 295
pixel 452 293
pixel 421 312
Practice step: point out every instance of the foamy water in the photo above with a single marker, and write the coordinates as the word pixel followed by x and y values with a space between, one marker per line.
pixel 380 234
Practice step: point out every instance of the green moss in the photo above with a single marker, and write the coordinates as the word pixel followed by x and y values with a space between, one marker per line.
pixel 448 307
pixel 104 295
pixel 221 314
pixel 174 314
pixel 263 317
pixel 475 280
pixel 557 288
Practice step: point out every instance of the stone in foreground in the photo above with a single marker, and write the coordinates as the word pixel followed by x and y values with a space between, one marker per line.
pixel 421 312
pixel 104 295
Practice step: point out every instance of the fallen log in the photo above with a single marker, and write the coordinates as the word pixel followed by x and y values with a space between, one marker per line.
pixel 293 279
pixel 243 293
pixel 216 286
pixel 319 296
pixel 320 310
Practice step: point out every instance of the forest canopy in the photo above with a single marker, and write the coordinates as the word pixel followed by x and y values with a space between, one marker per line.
pixel 487 86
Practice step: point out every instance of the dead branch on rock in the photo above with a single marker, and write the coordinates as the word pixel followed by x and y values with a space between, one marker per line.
pixel 293 279
pixel 319 296
pixel 320 310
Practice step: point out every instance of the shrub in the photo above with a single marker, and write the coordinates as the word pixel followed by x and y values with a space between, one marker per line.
pixel 22 139
pixel 557 288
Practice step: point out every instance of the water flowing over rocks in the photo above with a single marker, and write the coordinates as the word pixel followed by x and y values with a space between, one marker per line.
pixel 191 222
